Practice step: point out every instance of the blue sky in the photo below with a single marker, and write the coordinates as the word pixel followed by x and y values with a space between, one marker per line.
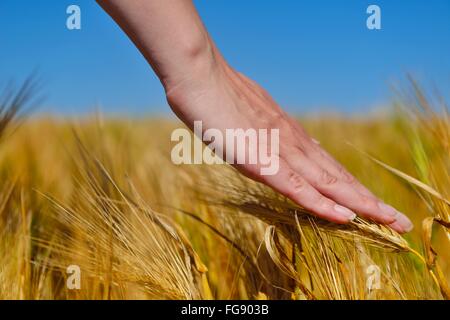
pixel 311 55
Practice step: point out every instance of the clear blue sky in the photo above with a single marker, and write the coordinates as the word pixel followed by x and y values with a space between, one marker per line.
pixel 309 54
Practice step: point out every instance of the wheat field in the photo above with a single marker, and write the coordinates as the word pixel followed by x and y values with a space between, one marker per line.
pixel 101 193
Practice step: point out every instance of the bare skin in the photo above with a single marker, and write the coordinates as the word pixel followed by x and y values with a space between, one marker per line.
pixel 201 85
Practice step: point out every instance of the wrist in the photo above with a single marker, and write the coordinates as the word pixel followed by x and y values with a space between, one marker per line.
pixel 197 58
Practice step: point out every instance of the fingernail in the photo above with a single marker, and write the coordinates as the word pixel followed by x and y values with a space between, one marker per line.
pixel 347 213
pixel 405 222
pixel 402 223
pixel 387 209
pixel 315 141
pixel 409 227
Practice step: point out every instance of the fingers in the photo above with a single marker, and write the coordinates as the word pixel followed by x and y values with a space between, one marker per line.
pixel 324 159
pixel 376 208
pixel 402 224
pixel 320 156
pixel 339 191
pixel 292 185
pixel 331 179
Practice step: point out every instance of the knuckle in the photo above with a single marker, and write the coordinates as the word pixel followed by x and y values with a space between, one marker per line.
pixel 261 91
pixel 300 150
pixel 297 182
pixel 346 176
pixel 368 202
pixel 303 147
pixel 276 119
pixel 326 178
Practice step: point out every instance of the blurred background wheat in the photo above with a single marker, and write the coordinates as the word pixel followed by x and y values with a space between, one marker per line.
pixel 102 193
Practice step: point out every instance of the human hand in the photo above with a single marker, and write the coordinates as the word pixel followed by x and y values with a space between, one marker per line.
pixel 201 86
pixel 224 99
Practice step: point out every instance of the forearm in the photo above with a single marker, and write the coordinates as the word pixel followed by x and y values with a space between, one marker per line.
pixel 169 33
